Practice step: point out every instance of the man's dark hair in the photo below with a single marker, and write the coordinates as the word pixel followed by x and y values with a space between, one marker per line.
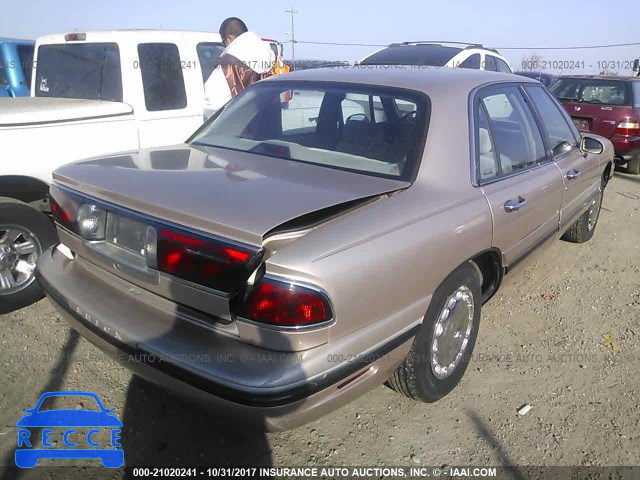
pixel 232 26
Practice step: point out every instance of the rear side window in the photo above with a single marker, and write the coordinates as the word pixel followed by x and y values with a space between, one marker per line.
pixel 472 62
pixel 508 138
pixel 79 70
pixel 162 78
pixel 209 57
pixel 423 55
pixel 25 53
pixel 593 91
pixel 561 133
pixel 502 66
pixel 490 63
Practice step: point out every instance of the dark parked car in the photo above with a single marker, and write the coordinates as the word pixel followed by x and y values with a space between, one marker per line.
pixel 546 79
pixel 607 106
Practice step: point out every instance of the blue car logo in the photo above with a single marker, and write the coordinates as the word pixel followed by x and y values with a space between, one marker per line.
pixel 33 446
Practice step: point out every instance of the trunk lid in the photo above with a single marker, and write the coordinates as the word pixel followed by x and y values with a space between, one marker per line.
pixel 237 195
pixel 599 119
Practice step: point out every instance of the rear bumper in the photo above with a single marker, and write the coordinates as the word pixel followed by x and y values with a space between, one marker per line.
pixel 272 390
pixel 626 147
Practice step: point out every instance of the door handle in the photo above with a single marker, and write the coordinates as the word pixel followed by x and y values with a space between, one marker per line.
pixel 573 174
pixel 513 206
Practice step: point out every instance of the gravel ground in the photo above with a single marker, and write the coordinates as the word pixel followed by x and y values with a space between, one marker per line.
pixel 562 335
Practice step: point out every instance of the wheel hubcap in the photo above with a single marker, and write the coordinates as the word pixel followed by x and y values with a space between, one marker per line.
pixel 594 212
pixel 19 251
pixel 452 332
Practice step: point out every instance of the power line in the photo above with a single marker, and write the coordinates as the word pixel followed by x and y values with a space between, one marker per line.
pixel 292 12
pixel 583 47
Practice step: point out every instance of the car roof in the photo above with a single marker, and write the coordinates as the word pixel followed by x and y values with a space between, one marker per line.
pixel 16 40
pixel 135 34
pixel 603 77
pixel 430 80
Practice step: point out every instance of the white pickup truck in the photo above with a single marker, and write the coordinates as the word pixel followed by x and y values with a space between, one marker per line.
pixel 92 94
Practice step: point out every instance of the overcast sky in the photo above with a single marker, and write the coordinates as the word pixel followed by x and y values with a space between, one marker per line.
pixel 498 23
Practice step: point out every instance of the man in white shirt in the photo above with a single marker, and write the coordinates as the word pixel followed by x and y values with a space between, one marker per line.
pixel 245 60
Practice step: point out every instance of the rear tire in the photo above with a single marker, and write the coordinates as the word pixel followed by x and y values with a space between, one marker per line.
pixel 585 226
pixel 633 165
pixel 453 317
pixel 24 234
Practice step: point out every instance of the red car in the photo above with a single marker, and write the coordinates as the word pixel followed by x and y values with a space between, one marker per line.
pixel 608 106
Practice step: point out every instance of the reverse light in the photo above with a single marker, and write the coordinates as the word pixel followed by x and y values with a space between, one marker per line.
pixel 282 304
pixel 198 259
pixel 92 222
pixel 629 127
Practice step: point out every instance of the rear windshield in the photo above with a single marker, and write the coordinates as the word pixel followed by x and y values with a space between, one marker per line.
pixel 423 55
pixel 374 131
pixel 593 91
pixel 90 71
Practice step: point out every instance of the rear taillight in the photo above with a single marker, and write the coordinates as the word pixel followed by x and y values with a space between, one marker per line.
pixel 629 127
pixel 64 209
pixel 199 259
pixel 287 305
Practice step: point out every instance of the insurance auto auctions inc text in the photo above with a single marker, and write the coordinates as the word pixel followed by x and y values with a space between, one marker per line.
pixel 375 472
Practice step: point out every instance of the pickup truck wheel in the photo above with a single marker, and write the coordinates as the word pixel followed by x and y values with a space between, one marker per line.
pixel 585 226
pixel 24 234
pixel 442 349
pixel 633 165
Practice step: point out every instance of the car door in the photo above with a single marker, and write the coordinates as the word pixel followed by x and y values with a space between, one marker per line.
pixel 580 171
pixel 522 186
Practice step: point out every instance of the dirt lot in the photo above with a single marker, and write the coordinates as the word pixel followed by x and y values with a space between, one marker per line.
pixel 541 343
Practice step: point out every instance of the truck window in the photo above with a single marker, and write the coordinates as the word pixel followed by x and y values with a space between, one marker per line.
pixel 162 78
pixel 208 55
pixel 502 66
pixel 79 70
pixel 25 52
pixel 3 75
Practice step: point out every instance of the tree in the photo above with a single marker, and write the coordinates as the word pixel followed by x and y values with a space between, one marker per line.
pixel 531 62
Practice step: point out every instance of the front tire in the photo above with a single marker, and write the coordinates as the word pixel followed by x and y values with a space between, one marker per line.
pixel 442 349
pixel 24 234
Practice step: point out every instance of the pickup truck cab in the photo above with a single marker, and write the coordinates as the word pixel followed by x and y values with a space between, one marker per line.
pixel 16 63
pixel 92 94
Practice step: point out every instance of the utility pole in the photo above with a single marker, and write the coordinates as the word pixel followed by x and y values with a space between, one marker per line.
pixel 292 12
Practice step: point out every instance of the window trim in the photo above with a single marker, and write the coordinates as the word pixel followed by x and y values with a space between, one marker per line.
pixel 474 140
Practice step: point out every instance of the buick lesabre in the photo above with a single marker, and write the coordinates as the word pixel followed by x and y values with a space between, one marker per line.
pixel 285 260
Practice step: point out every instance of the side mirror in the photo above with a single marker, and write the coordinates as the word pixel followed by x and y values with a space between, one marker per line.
pixel 591 145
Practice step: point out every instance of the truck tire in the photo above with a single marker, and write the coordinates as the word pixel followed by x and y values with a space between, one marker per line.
pixel 633 165
pixel 24 234
pixel 448 334
pixel 585 226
